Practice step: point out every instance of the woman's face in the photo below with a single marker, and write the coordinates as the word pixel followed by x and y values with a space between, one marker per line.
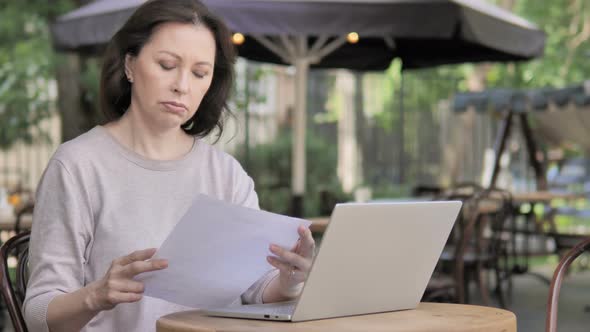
pixel 171 74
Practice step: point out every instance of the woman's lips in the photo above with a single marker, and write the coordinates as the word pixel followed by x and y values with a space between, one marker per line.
pixel 174 108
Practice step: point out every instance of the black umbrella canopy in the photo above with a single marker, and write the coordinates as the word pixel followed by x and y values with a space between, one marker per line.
pixel 423 33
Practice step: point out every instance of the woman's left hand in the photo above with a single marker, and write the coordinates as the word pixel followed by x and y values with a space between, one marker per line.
pixel 293 264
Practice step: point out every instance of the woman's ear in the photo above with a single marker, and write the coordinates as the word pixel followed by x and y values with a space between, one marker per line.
pixel 129 60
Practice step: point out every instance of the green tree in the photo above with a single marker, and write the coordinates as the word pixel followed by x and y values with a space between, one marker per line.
pixel 27 59
pixel 567 51
pixel 270 168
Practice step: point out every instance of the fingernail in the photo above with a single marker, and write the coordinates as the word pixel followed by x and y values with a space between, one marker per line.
pixel 274 247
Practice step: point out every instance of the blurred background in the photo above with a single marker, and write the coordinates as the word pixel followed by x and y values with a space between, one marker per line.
pixel 371 135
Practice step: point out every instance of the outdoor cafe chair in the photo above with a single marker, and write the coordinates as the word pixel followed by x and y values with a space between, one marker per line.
pixel 13 291
pixel 488 247
pixel 560 271
pixel 444 286
pixel 477 245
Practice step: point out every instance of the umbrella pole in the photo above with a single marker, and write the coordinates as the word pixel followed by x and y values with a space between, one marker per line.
pixel 299 127
pixel 401 130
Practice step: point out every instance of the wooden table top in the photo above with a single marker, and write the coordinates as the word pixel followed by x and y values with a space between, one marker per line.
pixel 440 317
pixel 543 196
pixel 319 224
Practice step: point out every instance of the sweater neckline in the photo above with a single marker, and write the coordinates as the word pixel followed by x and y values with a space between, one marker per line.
pixel 152 164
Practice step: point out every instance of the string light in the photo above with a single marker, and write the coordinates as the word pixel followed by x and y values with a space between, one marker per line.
pixel 353 37
pixel 238 38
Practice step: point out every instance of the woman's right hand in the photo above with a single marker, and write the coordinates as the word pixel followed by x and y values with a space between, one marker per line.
pixel 118 285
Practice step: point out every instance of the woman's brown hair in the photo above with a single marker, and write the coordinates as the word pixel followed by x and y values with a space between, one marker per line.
pixel 115 90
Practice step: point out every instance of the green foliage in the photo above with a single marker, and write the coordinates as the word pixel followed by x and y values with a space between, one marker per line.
pixel 26 68
pixel 245 91
pixel 389 190
pixel 90 81
pixel 270 167
pixel 390 85
pixel 567 51
pixel 332 105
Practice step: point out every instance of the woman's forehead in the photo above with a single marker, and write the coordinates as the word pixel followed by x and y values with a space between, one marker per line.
pixel 189 42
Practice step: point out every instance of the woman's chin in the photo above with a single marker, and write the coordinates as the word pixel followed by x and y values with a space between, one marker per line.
pixel 169 121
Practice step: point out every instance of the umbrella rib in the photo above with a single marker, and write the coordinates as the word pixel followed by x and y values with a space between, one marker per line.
pixel 276 49
pixel 289 46
pixel 319 43
pixel 331 47
pixel 389 42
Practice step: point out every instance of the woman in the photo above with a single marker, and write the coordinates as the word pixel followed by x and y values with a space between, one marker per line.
pixel 118 189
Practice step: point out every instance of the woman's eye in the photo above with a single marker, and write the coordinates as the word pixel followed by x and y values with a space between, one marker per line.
pixel 166 66
pixel 199 75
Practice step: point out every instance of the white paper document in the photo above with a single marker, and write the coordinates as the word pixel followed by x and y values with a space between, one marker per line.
pixel 216 252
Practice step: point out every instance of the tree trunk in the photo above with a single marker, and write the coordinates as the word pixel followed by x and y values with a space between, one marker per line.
pixel 68 87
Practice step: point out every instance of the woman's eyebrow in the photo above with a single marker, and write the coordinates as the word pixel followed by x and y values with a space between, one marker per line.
pixel 179 58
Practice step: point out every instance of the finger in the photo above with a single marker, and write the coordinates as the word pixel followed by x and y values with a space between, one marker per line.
pixel 139 255
pixel 286 270
pixel 136 268
pixel 290 257
pixel 296 246
pixel 120 297
pixel 282 266
pixel 306 242
pixel 125 286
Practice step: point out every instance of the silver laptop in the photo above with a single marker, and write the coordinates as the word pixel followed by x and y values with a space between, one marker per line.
pixel 374 257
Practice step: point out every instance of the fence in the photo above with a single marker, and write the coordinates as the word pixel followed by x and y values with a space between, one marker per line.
pixel 24 164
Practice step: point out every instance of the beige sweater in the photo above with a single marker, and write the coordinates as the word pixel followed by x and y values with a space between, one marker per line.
pixel 98 201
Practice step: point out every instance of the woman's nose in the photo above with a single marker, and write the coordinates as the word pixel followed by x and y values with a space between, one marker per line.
pixel 181 85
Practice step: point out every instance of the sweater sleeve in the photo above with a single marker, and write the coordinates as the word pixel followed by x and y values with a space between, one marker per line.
pixel 61 233
pixel 254 294
pixel 244 193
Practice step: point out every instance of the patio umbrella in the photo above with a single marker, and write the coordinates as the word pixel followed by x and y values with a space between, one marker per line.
pixel 353 34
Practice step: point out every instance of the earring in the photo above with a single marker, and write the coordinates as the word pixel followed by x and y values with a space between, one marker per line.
pixel 189 125
pixel 128 76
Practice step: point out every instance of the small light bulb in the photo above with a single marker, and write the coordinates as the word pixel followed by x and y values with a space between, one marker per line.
pixel 353 37
pixel 238 38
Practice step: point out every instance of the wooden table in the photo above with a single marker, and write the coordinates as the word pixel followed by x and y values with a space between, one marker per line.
pixel 543 196
pixel 535 226
pixel 440 317
pixel 319 224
